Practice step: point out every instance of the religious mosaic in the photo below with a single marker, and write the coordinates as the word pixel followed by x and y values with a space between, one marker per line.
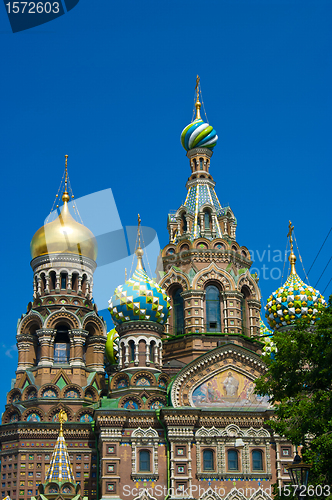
pixel 230 389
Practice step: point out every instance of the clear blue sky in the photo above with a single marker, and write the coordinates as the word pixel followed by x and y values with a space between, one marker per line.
pixel 111 84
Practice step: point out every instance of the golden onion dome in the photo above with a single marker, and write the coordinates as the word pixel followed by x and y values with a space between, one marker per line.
pixel 64 235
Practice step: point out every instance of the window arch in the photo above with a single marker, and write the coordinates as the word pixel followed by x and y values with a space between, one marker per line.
pixel 212 304
pixel 144 461
pixel 201 163
pixel 233 460
pixel 61 345
pixel 178 316
pixel 257 460
pixel 208 460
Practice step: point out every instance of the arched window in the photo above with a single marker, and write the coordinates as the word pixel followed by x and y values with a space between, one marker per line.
pixel 245 311
pixel 257 460
pixel 84 278
pixel 152 344
pixel 63 281
pixel 208 460
pixel 233 460
pixel 201 163
pixel 131 350
pixel 53 280
pixel 74 282
pixel 184 223
pixel 213 317
pixel 43 282
pixel 144 461
pixel 61 345
pixel 178 316
pixel 207 219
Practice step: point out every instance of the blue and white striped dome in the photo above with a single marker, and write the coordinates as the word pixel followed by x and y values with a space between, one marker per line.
pixel 198 134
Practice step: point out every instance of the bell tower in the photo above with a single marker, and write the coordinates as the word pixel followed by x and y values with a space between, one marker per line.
pixel 206 271
pixel 61 338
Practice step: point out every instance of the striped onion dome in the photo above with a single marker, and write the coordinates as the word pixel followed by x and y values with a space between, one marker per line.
pixel 198 134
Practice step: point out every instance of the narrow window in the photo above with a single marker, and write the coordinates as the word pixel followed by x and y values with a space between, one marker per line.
pixel 74 282
pixel 184 224
pixel 257 460
pixel 132 350
pixel 178 316
pixel 152 344
pixel 144 461
pixel 201 163
pixel 63 281
pixel 213 315
pixel 53 279
pixel 208 460
pixel 207 220
pixel 245 311
pixel 233 462
pixel 61 345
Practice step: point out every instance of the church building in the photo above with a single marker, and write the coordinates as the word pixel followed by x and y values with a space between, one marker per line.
pixel 163 406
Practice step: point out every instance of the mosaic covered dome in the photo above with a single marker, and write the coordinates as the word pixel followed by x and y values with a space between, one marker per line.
pixel 263 329
pixel 294 300
pixel 198 134
pixel 266 336
pixel 140 298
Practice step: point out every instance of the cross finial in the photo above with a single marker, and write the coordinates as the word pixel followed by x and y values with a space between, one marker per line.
pixel 65 196
pixel 139 220
pixel 291 258
pixel 62 419
pixel 139 251
pixel 197 104
pixel 290 234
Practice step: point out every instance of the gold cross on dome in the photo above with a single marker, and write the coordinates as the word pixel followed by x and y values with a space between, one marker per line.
pixel 290 234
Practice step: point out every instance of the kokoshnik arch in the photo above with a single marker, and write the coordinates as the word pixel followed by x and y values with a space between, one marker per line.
pixel 165 401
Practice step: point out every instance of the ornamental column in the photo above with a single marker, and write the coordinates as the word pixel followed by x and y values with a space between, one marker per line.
pixel 46 341
pixel 77 339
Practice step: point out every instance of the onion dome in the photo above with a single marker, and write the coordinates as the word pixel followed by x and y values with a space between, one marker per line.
pixel 198 134
pixel 140 298
pixel 269 348
pixel 263 329
pixel 112 347
pixel 294 300
pixel 64 235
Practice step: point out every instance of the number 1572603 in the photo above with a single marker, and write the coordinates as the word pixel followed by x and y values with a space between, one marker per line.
pixel 33 7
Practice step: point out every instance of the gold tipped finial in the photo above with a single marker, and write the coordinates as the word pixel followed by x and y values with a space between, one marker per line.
pixel 62 419
pixel 139 252
pixel 65 196
pixel 198 104
pixel 291 258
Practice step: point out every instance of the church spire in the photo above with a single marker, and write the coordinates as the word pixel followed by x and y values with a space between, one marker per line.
pixel 60 469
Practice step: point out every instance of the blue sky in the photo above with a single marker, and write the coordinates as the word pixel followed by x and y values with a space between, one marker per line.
pixel 111 84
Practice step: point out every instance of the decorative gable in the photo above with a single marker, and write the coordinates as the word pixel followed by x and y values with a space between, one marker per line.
pixel 221 378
